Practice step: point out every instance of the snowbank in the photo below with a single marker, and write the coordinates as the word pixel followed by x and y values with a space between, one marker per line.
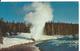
pixel 7 42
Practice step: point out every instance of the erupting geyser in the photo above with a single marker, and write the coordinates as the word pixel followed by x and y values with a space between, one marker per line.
pixel 39 13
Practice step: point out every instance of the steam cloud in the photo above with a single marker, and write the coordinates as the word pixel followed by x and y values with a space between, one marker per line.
pixel 38 14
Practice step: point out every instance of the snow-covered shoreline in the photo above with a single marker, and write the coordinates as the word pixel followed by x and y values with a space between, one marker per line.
pixel 7 42
pixel 26 38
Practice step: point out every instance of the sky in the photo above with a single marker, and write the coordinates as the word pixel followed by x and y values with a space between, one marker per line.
pixel 66 12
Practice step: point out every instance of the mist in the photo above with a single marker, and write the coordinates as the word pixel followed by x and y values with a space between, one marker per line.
pixel 39 13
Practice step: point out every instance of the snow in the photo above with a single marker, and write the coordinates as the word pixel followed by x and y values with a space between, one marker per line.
pixel 19 39
pixel 7 42
pixel 42 37
pixel 22 38
pixel 10 41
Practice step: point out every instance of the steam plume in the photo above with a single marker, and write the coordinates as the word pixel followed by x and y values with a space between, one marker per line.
pixel 38 15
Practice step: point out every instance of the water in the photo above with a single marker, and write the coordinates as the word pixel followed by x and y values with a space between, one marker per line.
pixel 59 45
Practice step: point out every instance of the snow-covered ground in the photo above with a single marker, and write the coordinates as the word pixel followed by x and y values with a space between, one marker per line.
pixel 22 38
pixel 19 39
pixel 7 42
pixel 42 37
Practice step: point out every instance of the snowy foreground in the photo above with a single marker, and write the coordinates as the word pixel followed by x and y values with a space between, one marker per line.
pixel 7 42
pixel 25 38
pixel 20 39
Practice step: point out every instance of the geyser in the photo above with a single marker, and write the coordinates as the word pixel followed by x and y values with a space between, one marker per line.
pixel 39 13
